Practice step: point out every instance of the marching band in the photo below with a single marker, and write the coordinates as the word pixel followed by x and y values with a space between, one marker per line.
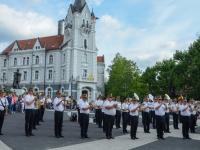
pixel 110 111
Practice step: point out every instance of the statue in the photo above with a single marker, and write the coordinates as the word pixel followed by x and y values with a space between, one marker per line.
pixel 17 79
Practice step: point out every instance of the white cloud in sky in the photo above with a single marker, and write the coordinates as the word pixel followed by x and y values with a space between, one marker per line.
pixel 16 24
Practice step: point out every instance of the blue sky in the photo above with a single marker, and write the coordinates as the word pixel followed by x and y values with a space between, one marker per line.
pixel 145 31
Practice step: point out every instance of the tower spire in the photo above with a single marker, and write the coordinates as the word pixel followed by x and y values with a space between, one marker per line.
pixel 79 5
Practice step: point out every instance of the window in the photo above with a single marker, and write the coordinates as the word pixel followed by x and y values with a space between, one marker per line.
pixel 37 60
pixel 37 47
pixel 64 58
pixel 36 75
pixel 5 62
pixel 36 90
pixel 51 59
pixel 85 44
pixel 83 22
pixel 62 90
pixel 15 62
pixel 87 24
pixel 49 92
pixel 63 74
pixel 27 61
pixel 84 73
pixel 50 75
pixel 24 61
pixel 4 77
pixel 25 76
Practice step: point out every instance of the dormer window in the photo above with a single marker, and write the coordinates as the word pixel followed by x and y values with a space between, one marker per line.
pixel 16 49
pixel 37 47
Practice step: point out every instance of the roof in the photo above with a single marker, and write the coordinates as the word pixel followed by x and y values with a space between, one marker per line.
pixel 49 43
pixel 100 59
pixel 78 5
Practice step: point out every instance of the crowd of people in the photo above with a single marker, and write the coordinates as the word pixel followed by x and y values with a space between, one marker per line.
pixel 109 111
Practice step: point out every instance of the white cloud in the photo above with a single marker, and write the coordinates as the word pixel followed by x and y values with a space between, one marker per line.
pixel 16 24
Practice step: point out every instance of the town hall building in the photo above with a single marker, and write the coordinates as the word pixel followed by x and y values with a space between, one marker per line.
pixel 67 61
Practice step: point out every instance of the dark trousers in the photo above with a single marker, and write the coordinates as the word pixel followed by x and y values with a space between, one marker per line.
pixel 153 118
pixel 103 118
pixel 2 114
pixel 166 122
pixel 36 117
pixel 117 118
pixel 42 109
pixel 134 126
pixel 192 123
pixel 109 122
pixel 84 122
pixel 28 121
pixel 146 121
pixel 99 117
pixel 175 120
pixel 185 126
pixel 160 126
pixel 58 121
pixel 125 116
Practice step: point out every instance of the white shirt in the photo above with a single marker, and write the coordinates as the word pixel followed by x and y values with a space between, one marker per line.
pixel 99 103
pixel 125 107
pixel 168 107
pixel 103 107
pixel 3 101
pixel 119 105
pixel 59 107
pixel 29 98
pixel 84 104
pixel 112 111
pixel 146 105
pixel 161 110
pixel 151 104
pixel 174 107
pixel 186 112
pixel 49 100
pixel 132 107
pixel 78 102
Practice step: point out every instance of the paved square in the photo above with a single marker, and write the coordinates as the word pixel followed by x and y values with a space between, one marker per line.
pixel 44 138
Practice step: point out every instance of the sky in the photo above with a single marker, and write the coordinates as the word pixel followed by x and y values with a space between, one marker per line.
pixel 145 31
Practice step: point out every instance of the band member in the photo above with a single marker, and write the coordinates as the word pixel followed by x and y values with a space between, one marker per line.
pixel 193 116
pixel 175 111
pixel 152 112
pixel 42 106
pixel 84 116
pixel 146 115
pixel 109 114
pixel 37 112
pixel 58 104
pixel 160 109
pixel 118 113
pixel 167 111
pixel 185 117
pixel 103 115
pixel 3 108
pixel 98 111
pixel 125 115
pixel 29 101
pixel 134 108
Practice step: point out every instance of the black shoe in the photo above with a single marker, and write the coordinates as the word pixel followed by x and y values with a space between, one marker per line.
pixel 184 138
pixel 87 137
pixel 1 134
pixel 32 134
pixel 108 138
pixel 162 138
pixel 61 136
pixel 112 137
pixel 82 137
pixel 56 136
pixel 132 138
pixel 188 138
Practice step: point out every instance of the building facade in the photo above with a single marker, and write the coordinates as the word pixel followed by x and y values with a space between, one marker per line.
pixel 67 61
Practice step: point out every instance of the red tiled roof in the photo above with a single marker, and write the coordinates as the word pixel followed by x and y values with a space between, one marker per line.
pixel 49 43
pixel 100 59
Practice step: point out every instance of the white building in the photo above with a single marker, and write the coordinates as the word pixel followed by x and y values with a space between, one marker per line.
pixel 67 61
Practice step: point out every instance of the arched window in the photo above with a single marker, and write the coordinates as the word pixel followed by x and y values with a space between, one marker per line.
pixel 36 75
pixel 15 61
pixel 51 59
pixel 49 92
pixel 27 61
pixel 36 90
pixel 5 63
pixel 37 60
pixel 24 61
pixel 85 44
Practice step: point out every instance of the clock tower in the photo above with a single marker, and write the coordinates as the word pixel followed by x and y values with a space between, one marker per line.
pixel 79 38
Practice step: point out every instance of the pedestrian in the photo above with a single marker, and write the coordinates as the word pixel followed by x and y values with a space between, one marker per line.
pixel 125 115
pixel 3 108
pixel 118 113
pixel 146 115
pixel 98 111
pixel 42 106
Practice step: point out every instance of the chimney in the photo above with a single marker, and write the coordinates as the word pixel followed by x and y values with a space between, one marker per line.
pixel 61 27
